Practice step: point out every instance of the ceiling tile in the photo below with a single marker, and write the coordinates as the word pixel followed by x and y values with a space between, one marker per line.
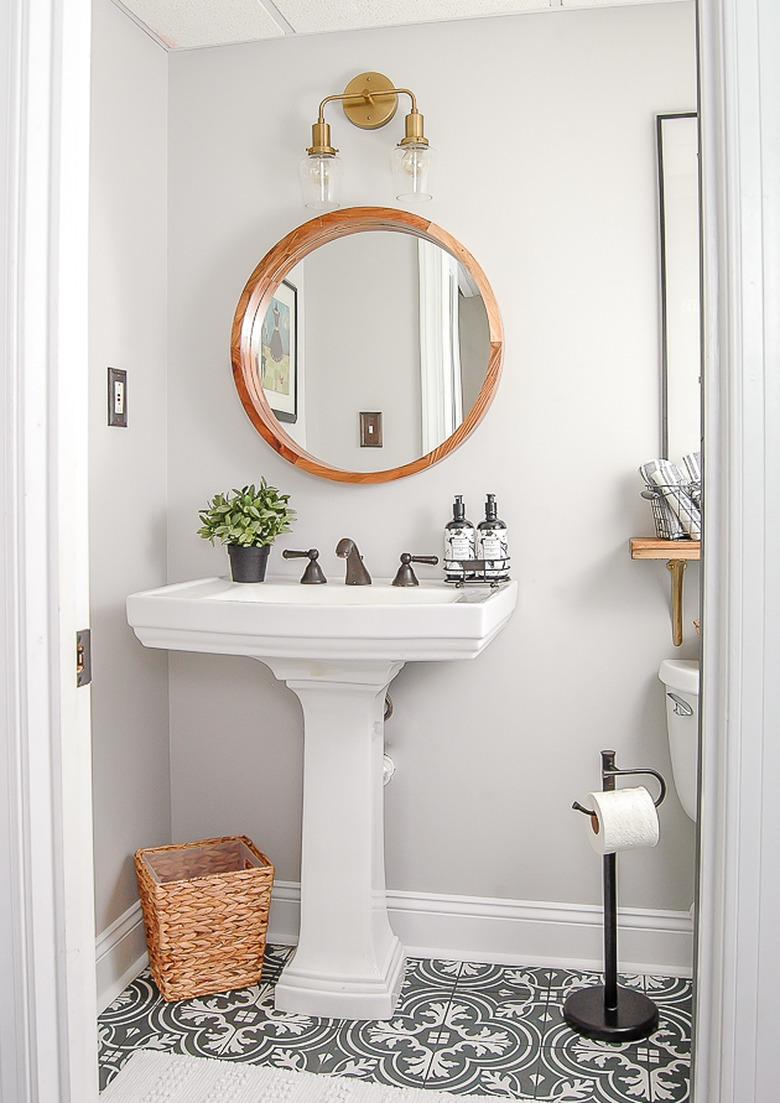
pixel 309 16
pixel 185 24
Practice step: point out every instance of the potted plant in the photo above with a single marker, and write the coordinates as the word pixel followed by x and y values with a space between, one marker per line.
pixel 248 521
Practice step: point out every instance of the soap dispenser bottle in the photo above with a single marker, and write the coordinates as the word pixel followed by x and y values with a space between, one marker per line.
pixel 460 540
pixel 493 542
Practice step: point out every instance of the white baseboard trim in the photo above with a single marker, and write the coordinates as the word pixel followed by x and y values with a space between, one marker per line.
pixel 461 928
pixel 120 952
pixel 472 928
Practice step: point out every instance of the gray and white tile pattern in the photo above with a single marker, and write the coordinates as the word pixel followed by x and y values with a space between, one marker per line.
pixel 460 1027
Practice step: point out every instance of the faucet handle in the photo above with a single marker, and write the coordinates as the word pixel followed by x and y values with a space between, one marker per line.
pixel 313 575
pixel 405 575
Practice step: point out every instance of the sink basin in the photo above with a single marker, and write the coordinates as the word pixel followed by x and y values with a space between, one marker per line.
pixel 291 593
pixel 337 648
pixel 281 618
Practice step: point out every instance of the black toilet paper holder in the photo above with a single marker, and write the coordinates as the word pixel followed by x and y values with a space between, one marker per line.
pixel 606 1011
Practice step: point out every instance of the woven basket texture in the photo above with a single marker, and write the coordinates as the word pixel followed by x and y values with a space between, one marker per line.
pixel 205 914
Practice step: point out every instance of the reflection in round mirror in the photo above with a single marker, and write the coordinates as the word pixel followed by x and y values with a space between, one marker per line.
pixel 375 350
pixel 379 324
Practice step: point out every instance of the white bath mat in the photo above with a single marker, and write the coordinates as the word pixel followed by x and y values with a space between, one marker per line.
pixel 154 1077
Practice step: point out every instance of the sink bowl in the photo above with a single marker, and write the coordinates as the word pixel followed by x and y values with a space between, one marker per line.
pixel 434 620
pixel 337 648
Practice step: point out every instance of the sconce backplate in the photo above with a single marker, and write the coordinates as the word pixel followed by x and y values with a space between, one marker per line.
pixel 373 112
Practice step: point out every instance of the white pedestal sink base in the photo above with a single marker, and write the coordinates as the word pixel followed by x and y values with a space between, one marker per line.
pixel 348 963
pixel 342 996
pixel 337 647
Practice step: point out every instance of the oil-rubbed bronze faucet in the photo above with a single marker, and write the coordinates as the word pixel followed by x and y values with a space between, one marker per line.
pixel 357 575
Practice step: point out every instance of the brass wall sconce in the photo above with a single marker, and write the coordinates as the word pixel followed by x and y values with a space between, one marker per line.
pixel 369 101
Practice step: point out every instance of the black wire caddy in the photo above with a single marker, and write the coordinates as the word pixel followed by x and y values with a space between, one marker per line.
pixel 608 1012
pixel 477 572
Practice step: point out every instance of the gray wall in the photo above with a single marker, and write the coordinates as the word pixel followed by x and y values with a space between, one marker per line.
pixel 127 467
pixel 550 182
pixel 474 347
pixel 363 349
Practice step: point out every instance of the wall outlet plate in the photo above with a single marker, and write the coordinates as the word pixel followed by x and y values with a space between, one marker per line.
pixel 117 397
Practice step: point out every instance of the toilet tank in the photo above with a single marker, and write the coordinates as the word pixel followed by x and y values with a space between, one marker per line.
pixel 681 682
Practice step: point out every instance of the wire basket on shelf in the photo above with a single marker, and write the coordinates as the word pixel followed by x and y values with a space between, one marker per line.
pixel 669 502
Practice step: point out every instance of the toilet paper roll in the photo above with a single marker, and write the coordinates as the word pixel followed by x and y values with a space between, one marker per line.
pixel 625 819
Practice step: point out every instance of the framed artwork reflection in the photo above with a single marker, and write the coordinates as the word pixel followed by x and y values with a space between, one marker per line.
pixel 279 353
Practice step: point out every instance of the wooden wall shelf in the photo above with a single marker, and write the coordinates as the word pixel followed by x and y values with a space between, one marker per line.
pixel 648 547
pixel 677 554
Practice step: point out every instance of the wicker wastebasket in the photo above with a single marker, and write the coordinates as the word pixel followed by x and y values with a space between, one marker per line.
pixel 205 908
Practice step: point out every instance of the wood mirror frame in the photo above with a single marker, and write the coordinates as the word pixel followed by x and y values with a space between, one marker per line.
pixel 267 277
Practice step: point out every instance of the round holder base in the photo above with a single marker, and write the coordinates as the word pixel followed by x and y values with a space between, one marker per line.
pixel 370 114
pixel 635 1016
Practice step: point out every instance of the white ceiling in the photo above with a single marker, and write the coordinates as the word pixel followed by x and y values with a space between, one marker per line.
pixel 190 24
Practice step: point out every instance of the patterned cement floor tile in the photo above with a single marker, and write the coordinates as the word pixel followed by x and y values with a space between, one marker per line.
pixel 276 958
pixel 592 1072
pixel 399 1051
pixel 489 1039
pixel 483 977
pixel 245 1026
pixel 669 1065
pixel 668 1050
pixel 466 1028
pixel 672 991
pixel 126 1027
pixel 506 992
pixel 433 973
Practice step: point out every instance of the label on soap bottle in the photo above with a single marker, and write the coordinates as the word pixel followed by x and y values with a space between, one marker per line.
pixel 494 549
pixel 458 545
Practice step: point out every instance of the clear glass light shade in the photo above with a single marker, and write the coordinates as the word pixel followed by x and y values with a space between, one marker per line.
pixel 412 167
pixel 321 181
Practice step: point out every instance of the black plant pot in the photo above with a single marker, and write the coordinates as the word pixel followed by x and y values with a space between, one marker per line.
pixel 248 564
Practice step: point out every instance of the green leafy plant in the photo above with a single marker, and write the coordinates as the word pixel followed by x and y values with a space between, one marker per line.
pixel 251 517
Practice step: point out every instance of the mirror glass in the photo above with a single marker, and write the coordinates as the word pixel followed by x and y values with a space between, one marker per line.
pixel 680 291
pixel 373 350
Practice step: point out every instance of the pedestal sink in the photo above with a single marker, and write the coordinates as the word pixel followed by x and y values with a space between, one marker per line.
pixel 337 648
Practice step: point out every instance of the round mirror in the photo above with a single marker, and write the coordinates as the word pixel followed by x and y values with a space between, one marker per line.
pixel 366 345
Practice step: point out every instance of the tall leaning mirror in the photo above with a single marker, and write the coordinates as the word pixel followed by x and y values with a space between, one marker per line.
pixel 679 217
pixel 366 345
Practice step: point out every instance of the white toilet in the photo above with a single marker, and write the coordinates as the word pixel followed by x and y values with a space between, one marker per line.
pixel 681 679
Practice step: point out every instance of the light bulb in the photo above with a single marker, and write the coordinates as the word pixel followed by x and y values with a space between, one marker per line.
pixel 320 176
pixel 412 170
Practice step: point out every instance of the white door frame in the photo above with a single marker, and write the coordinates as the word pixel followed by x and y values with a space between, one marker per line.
pixel 47 934
pixel 739 875
pixel 47 1027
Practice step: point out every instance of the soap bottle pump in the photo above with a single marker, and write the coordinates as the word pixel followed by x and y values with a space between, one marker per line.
pixel 493 542
pixel 460 540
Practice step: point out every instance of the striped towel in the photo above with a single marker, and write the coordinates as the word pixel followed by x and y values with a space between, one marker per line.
pixel 680 510
pixel 692 464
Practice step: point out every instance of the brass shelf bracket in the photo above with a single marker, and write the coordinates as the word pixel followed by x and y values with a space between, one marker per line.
pixel 677 569
pixel 677 555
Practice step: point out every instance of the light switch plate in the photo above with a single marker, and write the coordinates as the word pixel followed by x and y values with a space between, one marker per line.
pixel 83 657
pixel 117 397
pixel 371 429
